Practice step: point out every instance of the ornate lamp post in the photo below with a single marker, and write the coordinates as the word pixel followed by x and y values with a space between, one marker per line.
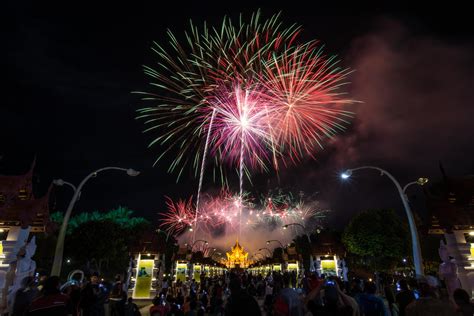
pixel 58 254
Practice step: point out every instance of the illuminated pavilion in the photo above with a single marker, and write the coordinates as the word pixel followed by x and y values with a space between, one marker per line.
pixel 237 257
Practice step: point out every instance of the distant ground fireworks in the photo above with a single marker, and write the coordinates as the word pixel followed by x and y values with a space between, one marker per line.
pixel 221 213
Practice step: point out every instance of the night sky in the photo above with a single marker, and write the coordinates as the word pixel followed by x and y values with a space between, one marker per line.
pixel 68 72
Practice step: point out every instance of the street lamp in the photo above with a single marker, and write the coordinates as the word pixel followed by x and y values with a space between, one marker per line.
pixel 58 254
pixel 168 234
pixel 211 253
pixel 163 258
pixel 269 251
pixel 257 259
pixel 298 224
pixel 420 181
pixel 259 253
pixel 275 240
pixel 417 259
pixel 216 253
pixel 202 240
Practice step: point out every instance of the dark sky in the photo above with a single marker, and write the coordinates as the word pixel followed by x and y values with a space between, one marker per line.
pixel 68 72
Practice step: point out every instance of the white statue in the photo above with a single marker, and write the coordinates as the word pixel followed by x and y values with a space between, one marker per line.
pixel 23 267
pixel 448 270
pixel 345 270
pixel 317 266
pixel 129 274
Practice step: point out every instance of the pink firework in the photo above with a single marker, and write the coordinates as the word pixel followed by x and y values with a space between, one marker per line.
pixel 305 88
pixel 241 125
pixel 220 212
pixel 178 216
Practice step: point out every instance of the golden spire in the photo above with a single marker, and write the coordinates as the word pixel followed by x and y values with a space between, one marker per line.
pixel 237 257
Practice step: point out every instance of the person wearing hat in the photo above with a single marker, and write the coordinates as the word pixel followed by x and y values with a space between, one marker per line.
pixel 429 303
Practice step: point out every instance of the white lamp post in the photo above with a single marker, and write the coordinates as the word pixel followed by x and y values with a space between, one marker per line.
pixel 58 254
pixel 298 224
pixel 191 246
pixel 275 240
pixel 269 251
pixel 417 258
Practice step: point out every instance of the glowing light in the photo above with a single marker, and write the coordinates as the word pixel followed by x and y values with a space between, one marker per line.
pixel 422 181
pixel 347 174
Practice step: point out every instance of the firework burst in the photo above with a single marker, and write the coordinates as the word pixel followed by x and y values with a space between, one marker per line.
pixel 178 217
pixel 221 214
pixel 240 124
pixel 188 75
pixel 249 95
pixel 306 92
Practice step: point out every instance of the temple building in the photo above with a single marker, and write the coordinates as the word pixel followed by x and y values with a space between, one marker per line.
pixel 19 207
pixel 21 213
pixel 237 257
pixel 450 203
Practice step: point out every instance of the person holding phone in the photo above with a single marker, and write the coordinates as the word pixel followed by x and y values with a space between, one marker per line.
pixel 370 303
pixel 92 297
pixel 404 297
pixel 333 300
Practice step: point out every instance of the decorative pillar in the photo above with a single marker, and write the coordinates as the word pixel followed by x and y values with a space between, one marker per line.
pixel 16 238
pixel 460 250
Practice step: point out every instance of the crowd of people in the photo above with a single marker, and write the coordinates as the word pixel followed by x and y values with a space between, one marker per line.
pixel 245 294
pixel 46 297
pixel 285 294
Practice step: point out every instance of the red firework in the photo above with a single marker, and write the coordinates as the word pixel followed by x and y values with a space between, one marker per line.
pixel 179 215
pixel 305 89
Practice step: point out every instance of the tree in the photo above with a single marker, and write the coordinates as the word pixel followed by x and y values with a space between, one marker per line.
pixel 121 215
pixel 100 241
pixel 100 246
pixel 379 237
